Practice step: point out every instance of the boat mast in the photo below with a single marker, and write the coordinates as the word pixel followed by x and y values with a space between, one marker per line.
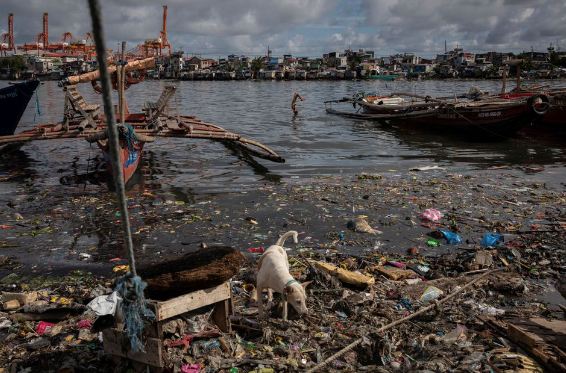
pixel 504 79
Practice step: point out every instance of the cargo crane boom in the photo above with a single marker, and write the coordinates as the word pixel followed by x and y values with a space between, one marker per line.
pixel 41 41
pixel 8 37
pixel 163 35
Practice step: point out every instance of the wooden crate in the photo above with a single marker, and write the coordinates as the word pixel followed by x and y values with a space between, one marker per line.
pixel 117 344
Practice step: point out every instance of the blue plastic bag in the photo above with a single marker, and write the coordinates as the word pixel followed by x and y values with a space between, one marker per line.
pixel 452 238
pixel 492 239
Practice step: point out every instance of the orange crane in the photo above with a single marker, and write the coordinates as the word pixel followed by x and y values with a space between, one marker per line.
pixel 154 47
pixel 41 41
pixel 163 34
pixel 8 41
pixel 62 43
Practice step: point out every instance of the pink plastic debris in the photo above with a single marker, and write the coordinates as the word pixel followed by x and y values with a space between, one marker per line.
pixel 431 214
pixel 84 324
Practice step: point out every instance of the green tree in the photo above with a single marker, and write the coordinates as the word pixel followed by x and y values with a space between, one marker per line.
pixel 230 67
pixel 257 65
pixel 527 61
pixel 354 60
pixel 15 63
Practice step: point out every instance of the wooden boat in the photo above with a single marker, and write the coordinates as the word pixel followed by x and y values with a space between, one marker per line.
pixel 130 157
pixel 13 102
pixel 131 148
pixel 556 116
pixel 488 119
pixel 394 104
pixel 135 129
pixel 484 120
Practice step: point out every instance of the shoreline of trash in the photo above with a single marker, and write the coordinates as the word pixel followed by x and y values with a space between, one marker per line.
pixel 414 239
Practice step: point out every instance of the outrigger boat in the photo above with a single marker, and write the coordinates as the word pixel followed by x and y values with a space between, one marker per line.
pixel 81 120
pixel 13 102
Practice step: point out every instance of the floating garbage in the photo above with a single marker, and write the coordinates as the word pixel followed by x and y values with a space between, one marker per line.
pixel 431 293
pixel 451 237
pixel 492 240
pixel 431 215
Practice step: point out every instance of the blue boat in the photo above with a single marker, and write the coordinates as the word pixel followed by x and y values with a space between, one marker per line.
pixel 390 77
pixel 13 102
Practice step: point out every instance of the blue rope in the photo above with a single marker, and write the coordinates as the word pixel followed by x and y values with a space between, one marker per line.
pixel 134 305
pixel 129 136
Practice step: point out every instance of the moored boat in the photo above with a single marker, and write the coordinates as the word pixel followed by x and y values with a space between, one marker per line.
pixel 484 120
pixel 393 104
pixel 487 119
pixel 83 120
pixel 13 102
pixel 131 149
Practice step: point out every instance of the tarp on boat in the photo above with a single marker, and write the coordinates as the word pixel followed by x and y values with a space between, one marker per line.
pixel 94 75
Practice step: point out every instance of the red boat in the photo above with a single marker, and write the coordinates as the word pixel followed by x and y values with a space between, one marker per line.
pixel 485 120
pixel 131 148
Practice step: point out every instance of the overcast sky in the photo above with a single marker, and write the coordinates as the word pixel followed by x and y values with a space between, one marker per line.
pixel 216 28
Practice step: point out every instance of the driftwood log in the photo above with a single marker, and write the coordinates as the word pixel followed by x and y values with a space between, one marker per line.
pixel 201 269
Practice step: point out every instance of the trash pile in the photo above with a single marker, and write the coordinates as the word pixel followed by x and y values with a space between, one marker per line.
pixel 419 274
pixel 350 299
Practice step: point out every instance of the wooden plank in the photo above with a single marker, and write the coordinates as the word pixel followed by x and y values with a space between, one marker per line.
pixel 191 301
pixel 115 344
pixel 221 316
pixel 518 335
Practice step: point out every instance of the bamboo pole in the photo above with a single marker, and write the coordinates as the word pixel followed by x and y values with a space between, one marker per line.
pixel 419 96
pixel 400 321
pixel 518 77
pixel 122 80
pixel 503 85
pixel 143 135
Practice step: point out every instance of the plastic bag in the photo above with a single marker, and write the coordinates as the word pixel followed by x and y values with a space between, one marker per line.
pixel 104 304
pixel 492 239
pixel 451 237
pixel 431 293
pixel 431 214
pixel 460 333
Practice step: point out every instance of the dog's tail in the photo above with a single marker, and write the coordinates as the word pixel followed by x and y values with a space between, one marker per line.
pixel 283 238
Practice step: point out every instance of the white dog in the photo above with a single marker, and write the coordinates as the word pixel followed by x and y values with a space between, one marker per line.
pixel 273 275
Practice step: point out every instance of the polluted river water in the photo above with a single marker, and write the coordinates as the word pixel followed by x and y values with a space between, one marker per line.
pixel 197 191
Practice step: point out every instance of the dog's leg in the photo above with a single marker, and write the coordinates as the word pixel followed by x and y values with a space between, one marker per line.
pixel 260 301
pixel 284 310
pixel 269 299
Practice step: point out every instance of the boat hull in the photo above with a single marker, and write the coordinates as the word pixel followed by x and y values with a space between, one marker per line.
pixel 556 116
pixel 385 106
pixel 479 123
pixel 129 158
pixel 13 102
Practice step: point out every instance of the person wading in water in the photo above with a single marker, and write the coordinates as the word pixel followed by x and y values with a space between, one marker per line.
pixel 294 104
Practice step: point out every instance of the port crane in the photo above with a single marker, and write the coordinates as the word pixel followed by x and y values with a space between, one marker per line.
pixel 41 41
pixel 8 37
pixel 154 47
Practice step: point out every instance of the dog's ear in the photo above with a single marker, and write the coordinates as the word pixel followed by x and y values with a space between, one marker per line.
pixel 305 284
pixel 289 289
